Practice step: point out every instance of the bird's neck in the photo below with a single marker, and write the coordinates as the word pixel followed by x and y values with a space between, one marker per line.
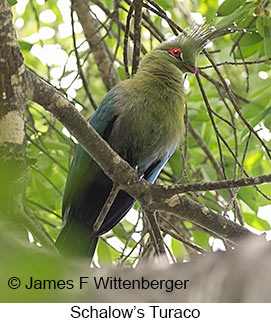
pixel 158 74
pixel 156 98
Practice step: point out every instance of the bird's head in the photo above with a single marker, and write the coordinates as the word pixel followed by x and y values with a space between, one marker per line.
pixel 183 50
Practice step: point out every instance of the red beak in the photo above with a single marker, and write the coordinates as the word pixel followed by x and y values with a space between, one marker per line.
pixel 191 69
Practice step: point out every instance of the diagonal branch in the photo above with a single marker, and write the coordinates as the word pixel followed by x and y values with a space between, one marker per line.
pixel 155 232
pixel 115 167
pixel 99 49
pixel 107 205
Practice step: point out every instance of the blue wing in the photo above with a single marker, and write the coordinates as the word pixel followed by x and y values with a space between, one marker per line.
pixel 83 169
pixel 153 172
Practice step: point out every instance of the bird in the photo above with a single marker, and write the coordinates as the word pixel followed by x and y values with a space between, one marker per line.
pixel 142 119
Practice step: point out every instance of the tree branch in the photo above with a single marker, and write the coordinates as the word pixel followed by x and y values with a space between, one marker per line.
pixel 235 104
pixel 107 205
pixel 99 49
pixel 115 167
pixel 13 164
pixel 138 4
pixel 216 185
pixel 155 232
pixel 256 61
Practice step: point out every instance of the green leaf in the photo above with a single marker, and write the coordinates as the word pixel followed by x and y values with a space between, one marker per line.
pixel 249 110
pixel 208 203
pixel 197 156
pixel 248 51
pixel 260 116
pixel 52 4
pixel 256 222
pixel 259 25
pixel 253 159
pixel 128 226
pixel 121 73
pixel 46 194
pixel 12 2
pixel 165 4
pixel 25 46
pixel 267 36
pixel 209 173
pixel 178 249
pixel 202 239
pixel 175 163
pixel 120 233
pixel 256 95
pixel 104 253
pixel 267 120
pixel 56 145
pixel 250 39
pixel 228 6
pixel 198 114
pixel 236 16
pixel 248 195
pixel 265 189
pixel 259 106
pixel 188 224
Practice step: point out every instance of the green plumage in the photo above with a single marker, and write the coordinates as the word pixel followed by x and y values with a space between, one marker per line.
pixel 142 119
pixel 151 109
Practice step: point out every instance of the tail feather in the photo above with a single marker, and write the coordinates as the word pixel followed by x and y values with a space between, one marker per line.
pixel 76 240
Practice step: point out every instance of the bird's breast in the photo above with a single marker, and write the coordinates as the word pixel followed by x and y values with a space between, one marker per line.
pixel 147 126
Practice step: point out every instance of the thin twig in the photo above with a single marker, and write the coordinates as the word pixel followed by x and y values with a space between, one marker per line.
pixel 257 61
pixel 47 179
pixel 100 50
pixel 109 201
pixel 137 34
pixel 246 68
pixel 125 42
pixel 215 185
pixel 205 148
pixel 47 154
pixel 242 34
pixel 181 239
pixel 154 30
pixel 118 22
pixel 82 76
pixel 245 121
pixel 178 234
pixel 235 104
pixel 155 232
pixel 43 208
pixel 133 249
pixel 160 12
pixel 129 238
pixel 220 88
pixel 218 135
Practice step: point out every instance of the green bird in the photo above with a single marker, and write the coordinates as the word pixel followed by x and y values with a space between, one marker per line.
pixel 142 120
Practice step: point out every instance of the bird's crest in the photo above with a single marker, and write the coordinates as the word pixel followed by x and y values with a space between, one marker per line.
pixel 203 34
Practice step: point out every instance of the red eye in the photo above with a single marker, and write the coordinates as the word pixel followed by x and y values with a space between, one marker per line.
pixel 176 52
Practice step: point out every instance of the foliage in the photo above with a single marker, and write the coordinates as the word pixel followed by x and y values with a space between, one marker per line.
pixel 46 38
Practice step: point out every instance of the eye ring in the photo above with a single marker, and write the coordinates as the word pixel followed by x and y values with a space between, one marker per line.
pixel 176 52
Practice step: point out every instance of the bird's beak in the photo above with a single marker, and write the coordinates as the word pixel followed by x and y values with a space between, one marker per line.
pixel 191 69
